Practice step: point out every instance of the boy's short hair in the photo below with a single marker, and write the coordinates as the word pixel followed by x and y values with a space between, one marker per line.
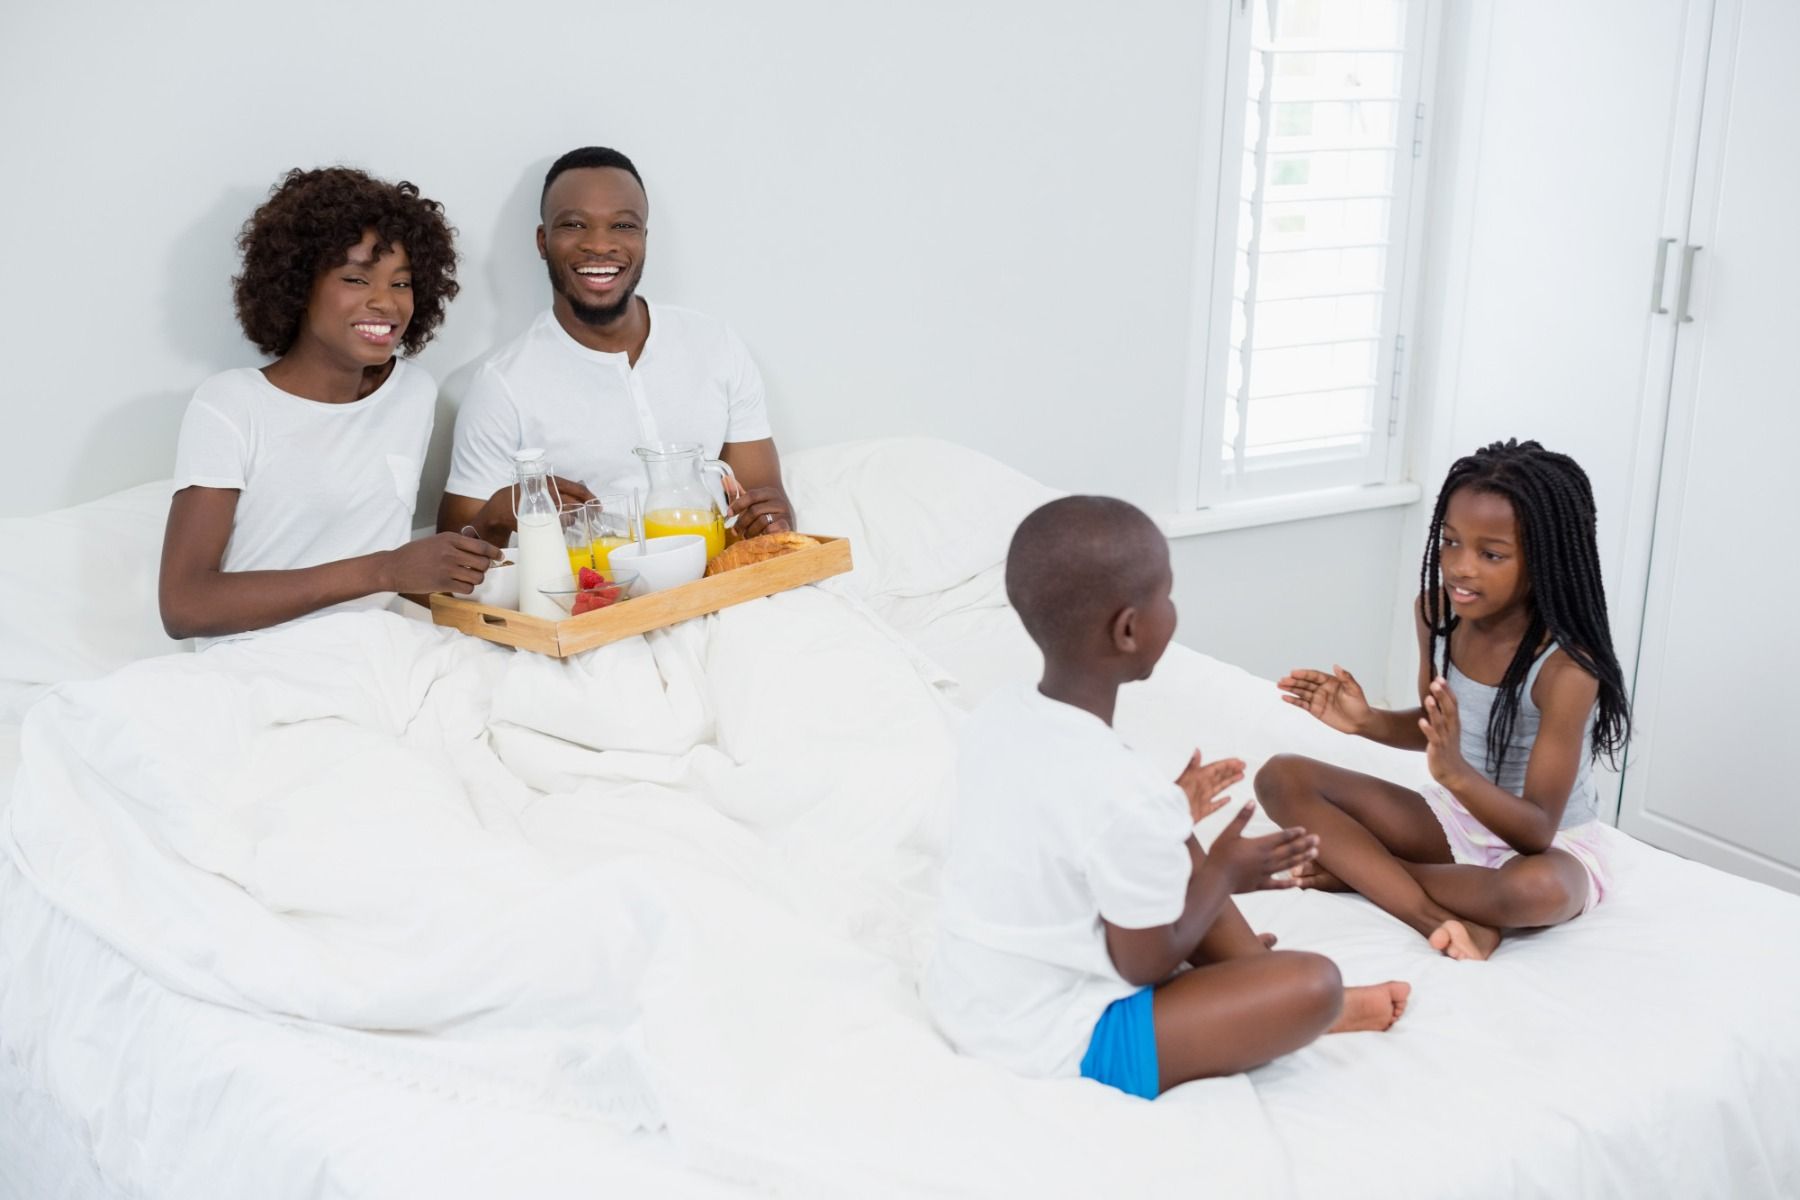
pixel 1075 562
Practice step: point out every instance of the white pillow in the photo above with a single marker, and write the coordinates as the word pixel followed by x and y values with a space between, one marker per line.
pixel 78 588
pixel 922 515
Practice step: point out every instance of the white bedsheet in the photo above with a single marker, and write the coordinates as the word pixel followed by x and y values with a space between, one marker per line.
pixel 375 911
pixel 1651 1048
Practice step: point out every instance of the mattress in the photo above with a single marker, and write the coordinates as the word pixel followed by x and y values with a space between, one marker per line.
pixel 1651 1048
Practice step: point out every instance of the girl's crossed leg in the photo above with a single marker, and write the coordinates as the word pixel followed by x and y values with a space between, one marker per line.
pixel 1384 841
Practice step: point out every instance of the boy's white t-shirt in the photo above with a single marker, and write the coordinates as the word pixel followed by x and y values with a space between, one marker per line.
pixel 694 381
pixel 1057 824
pixel 316 482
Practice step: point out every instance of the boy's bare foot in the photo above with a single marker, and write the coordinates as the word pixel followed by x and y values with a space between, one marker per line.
pixel 1465 940
pixel 1312 875
pixel 1372 1008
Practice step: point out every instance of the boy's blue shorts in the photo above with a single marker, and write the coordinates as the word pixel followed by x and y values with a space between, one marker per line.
pixel 1122 1050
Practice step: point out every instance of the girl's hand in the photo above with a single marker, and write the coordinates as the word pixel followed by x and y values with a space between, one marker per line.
pixel 1204 781
pixel 1335 698
pixel 1443 734
pixel 1251 863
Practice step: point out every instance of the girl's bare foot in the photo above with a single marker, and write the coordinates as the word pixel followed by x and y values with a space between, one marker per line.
pixel 1372 1008
pixel 1465 940
pixel 1312 875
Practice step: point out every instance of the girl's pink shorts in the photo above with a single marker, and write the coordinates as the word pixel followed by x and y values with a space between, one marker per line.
pixel 1474 843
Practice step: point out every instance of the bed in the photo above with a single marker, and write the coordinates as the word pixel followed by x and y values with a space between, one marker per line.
pixel 461 924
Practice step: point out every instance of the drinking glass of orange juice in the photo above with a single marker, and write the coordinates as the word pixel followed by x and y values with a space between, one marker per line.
pixel 576 538
pixel 612 521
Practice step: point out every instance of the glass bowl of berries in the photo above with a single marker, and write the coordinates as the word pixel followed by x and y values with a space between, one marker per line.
pixel 594 591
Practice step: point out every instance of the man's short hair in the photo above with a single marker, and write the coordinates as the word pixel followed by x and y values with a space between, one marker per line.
pixel 587 156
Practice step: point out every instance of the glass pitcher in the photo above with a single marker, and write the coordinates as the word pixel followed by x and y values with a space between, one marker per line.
pixel 681 499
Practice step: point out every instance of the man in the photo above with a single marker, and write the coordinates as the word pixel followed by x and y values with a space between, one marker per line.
pixel 605 370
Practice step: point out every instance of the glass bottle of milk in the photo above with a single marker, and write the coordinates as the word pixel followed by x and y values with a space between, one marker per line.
pixel 543 562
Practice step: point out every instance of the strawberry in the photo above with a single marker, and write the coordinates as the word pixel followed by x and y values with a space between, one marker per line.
pixel 589 578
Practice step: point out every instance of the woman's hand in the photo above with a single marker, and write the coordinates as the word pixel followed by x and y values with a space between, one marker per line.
pixel 1442 726
pixel 443 562
pixel 1335 698
pixel 1204 781
pixel 1250 863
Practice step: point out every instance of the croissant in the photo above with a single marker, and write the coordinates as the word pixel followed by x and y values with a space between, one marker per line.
pixel 758 549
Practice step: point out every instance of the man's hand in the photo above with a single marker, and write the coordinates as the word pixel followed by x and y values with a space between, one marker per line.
pixel 443 562
pixel 759 510
pixel 1443 735
pixel 1335 698
pixel 497 519
pixel 1204 781
pixel 1251 863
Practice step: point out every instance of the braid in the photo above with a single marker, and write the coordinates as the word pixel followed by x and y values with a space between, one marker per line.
pixel 1553 503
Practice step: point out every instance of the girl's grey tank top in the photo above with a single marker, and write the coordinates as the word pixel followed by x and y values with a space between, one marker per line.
pixel 1474 703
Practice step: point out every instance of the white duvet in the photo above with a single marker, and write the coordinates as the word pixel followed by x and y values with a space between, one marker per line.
pixel 651 920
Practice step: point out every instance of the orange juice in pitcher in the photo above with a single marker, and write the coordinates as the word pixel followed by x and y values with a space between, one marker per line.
pixel 662 522
pixel 680 499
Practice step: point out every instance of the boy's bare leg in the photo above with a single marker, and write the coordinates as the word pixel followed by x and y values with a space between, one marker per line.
pixel 1527 892
pixel 1237 1014
pixel 1370 1007
pixel 1366 827
pixel 1230 937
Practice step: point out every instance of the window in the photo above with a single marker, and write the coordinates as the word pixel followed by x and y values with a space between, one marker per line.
pixel 1301 349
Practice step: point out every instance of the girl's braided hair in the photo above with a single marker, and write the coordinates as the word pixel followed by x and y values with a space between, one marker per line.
pixel 1553 504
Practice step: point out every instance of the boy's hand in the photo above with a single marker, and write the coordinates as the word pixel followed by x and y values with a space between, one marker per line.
pixel 1335 698
pixel 1443 735
pixel 1249 863
pixel 1204 781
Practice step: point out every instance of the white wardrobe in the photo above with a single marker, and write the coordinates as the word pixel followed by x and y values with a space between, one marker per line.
pixel 1619 275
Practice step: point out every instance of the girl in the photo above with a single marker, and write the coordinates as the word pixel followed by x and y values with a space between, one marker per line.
pixel 1519 692
pixel 295 482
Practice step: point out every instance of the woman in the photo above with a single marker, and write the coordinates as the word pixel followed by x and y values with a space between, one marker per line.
pixel 295 482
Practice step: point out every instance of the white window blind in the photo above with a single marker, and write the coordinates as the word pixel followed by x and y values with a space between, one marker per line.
pixel 1322 118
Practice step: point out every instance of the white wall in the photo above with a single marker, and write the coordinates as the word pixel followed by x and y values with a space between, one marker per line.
pixel 972 221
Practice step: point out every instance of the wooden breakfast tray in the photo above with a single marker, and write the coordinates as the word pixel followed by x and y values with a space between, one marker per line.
pixel 572 635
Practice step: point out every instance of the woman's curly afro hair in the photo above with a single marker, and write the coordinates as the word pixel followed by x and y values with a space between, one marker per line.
pixel 310 223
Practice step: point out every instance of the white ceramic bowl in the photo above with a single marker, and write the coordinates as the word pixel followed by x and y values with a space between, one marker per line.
pixel 665 562
pixel 499 588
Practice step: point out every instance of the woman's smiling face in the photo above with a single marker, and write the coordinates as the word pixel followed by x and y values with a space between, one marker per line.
pixel 359 309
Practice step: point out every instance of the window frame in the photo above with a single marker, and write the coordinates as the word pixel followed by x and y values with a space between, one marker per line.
pixel 1204 484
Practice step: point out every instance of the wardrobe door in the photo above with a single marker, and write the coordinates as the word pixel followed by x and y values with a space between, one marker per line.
pixel 1568 136
pixel 1710 774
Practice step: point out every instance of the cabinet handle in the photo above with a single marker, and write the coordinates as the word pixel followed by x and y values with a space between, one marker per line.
pixel 1662 271
pixel 1687 285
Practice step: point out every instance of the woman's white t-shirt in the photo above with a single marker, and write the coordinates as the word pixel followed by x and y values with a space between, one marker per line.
pixel 1057 824
pixel 316 482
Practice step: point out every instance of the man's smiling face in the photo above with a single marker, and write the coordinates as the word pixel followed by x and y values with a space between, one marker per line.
pixel 592 241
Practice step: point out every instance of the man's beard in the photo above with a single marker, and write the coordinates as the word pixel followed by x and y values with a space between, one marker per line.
pixel 593 315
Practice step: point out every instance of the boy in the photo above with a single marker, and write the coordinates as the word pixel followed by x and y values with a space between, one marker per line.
pixel 1075 893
